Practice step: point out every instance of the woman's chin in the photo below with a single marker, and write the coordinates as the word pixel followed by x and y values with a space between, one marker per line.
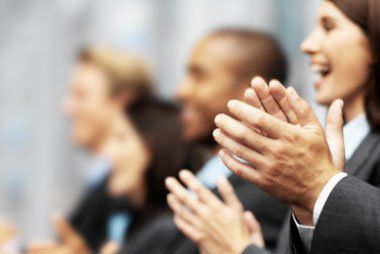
pixel 323 100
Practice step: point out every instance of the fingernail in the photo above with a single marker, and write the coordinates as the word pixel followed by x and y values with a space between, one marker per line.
pixel 168 180
pixel 274 82
pixel 221 153
pixel 216 133
pixel 231 104
pixel 183 174
pixel 218 119
pixel 257 80
pixel 293 92
pixel 249 92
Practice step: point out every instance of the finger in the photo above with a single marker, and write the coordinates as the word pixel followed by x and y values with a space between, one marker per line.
pixel 334 133
pixel 262 90
pixel 187 229
pixel 254 229
pixel 180 210
pixel 242 134
pixel 251 98
pixel 184 196
pixel 110 248
pixel 203 193
pixel 228 194
pixel 251 221
pixel 41 247
pixel 239 168
pixel 278 92
pixel 271 125
pixel 240 150
pixel 301 108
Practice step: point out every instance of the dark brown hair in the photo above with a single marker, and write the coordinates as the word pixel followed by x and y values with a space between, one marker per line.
pixel 159 125
pixel 366 14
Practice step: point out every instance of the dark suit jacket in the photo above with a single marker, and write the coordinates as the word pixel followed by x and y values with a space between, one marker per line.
pixel 350 220
pixel 163 237
pixel 351 199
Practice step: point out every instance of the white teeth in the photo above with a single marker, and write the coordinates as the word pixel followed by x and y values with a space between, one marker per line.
pixel 321 69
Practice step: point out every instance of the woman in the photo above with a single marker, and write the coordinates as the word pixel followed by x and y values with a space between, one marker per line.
pixel 344 49
pixel 142 143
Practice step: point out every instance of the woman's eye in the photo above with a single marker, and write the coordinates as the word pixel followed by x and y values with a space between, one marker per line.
pixel 328 25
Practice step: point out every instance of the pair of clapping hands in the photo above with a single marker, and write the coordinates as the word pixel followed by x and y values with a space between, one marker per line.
pixel 285 152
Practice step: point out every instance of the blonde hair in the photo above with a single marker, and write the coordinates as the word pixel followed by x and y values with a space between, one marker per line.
pixel 126 72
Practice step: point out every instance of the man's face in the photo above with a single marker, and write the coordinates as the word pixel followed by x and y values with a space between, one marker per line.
pixel 208 85
pixel 88 105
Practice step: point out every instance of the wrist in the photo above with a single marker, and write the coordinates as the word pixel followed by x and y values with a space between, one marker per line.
pixel 239 248
pixel 304 209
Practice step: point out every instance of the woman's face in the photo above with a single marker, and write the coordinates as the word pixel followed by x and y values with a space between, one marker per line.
pixel 340 54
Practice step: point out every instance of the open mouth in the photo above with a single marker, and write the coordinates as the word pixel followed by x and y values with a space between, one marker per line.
pixel 322 70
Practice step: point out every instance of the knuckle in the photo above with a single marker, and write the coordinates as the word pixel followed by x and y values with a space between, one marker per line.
pixel 259 119
pixel 199 238
pixel 239 150
pixel 239 208
pixel 241 134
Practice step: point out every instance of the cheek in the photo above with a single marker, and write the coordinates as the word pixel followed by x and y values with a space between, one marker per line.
pixel 350 69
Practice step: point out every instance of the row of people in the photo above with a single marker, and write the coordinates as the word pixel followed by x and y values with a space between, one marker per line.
pixel 268 178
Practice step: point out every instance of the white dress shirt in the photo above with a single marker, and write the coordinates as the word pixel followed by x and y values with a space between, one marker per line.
pixel 354 133
pixel 212 171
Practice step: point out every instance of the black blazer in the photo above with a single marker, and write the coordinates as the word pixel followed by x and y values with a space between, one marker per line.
pixel 162 236
pixel 335 232
pixel 91 217
pixel 350 220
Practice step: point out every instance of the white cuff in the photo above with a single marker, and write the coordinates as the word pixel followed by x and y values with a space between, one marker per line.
pixel 305 232
pixel 322 199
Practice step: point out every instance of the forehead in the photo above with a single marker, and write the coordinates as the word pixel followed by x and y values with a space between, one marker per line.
pixel 213 53
pixel 328 9
pixel 89 75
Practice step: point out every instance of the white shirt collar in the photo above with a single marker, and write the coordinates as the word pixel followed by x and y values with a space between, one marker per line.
pixel 354 133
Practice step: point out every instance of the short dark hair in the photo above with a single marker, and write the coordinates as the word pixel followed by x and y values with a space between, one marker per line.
pixel 259 53
pixel 366 14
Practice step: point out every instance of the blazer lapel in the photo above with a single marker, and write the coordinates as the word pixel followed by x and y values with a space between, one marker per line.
pixel 362 153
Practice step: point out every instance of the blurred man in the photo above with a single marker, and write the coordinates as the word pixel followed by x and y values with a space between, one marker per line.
pixel 219 69
pixel 104 83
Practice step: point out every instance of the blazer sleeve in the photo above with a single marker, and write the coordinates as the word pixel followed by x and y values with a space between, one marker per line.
pixel 350 219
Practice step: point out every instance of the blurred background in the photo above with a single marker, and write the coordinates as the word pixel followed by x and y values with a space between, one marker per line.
pixel 41 171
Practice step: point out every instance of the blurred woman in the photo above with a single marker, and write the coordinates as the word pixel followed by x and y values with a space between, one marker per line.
pixel 138 140
pixel 344 49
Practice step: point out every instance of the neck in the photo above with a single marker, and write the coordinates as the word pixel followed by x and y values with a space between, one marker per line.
pixel 353 108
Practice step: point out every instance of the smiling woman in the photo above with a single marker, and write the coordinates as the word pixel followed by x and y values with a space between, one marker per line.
pixel 344 49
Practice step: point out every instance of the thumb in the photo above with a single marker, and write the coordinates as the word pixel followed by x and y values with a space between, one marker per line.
pixel 64 229
pixel 254 229
pixel 301 108
pixel 110 248
pixel 334 133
